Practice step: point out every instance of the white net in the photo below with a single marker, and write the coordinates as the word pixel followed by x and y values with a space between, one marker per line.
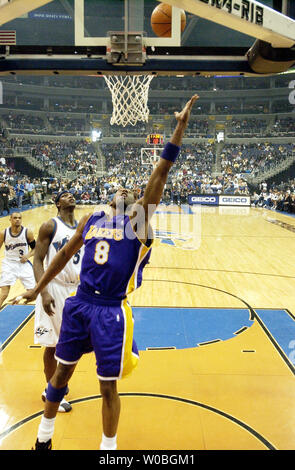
pixel 129 98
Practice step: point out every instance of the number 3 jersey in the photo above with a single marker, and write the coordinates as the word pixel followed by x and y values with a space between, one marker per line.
pixel 62 233
pixel 12 268
pixel 114 257
pixel 16 245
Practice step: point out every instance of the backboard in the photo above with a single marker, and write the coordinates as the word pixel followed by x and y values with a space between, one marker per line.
pixel 73 36
pixel 150 155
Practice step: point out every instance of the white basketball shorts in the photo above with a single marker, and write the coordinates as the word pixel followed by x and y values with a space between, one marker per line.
pixel 47 328
pixel 14 270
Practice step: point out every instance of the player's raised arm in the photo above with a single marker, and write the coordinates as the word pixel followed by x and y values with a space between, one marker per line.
pixel 57 264
pixel 154 189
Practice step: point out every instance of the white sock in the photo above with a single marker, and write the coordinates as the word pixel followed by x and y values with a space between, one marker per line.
pixel 46 429
pixel 108 443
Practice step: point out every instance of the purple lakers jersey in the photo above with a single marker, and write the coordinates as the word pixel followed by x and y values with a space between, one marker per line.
pixel 114 257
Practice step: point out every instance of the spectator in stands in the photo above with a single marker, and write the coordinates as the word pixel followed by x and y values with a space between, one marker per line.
pixel 38 191
pixel 279 202
pixel 287 202
pixel 19 192
pixel 4 198
pixel 85 198
pixel 292 203
pixel 30 188
pixel 255 199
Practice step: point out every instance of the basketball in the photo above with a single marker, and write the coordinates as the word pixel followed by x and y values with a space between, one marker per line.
pixel 161 20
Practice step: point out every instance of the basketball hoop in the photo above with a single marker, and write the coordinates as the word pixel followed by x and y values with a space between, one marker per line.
pixel 129 98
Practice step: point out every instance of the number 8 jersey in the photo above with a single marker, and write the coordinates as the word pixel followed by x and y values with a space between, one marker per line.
pixel 114 257
pixel 61 235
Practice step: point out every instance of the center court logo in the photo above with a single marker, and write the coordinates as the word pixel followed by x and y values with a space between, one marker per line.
pixel 178 228
pixel 183 241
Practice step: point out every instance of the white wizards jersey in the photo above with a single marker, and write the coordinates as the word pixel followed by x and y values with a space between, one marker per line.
pixel 61 235
pixel 16 245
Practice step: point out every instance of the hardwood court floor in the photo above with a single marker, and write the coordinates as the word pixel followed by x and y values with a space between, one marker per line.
pixel 225 277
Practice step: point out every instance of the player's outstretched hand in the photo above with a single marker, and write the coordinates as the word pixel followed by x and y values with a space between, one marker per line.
pixel 27 296
pixel 184 115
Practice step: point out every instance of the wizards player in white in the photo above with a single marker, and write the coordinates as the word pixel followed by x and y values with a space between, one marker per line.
pixel 52 237
pixel 99 317
pixel 16 265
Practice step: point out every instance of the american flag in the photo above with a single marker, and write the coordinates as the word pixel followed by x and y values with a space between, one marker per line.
pixel 7 37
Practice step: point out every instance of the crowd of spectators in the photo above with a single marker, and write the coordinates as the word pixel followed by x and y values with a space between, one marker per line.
pixel 74 156
pixel 103 105
pixel 24 123
pixel 140 129
pixel 38 93
pixel 60 157
pixel 284 127
pixel 248 127
pixel 198 127
pixel 277 197
pixel 63 105
pixel 174 83
pixel 191 174
pixel 282 106
pixel 254 127
pixel 17 122
pixel 17 189
pixel 254 158
pixel 197 171
pixel 68 125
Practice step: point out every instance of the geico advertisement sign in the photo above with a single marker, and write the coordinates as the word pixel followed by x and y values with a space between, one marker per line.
pixel 203 200
pixel 234 200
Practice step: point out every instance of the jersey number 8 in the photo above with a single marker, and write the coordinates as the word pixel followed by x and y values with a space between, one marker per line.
pixel 101 252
